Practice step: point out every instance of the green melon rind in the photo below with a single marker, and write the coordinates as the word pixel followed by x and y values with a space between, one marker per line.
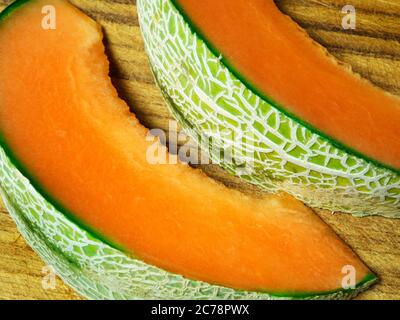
pixel 98 271
pixel 210 101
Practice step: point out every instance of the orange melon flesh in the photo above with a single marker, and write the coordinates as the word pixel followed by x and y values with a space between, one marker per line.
pixel 75 139
pixel 279 60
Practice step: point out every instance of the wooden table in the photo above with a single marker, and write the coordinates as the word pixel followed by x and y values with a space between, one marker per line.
pixel 373 50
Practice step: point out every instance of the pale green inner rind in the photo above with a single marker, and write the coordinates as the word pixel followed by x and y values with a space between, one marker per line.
pixel 211 100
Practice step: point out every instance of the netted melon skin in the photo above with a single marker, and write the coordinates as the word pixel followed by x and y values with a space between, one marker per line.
pixel 222 114
pixel 97 270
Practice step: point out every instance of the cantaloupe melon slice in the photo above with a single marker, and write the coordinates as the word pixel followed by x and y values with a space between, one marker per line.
pixel 64 127
pixel 313 128
pixel 287 67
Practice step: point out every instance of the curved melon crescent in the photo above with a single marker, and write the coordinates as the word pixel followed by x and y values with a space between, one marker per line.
pixel 244 74
pixel 64 127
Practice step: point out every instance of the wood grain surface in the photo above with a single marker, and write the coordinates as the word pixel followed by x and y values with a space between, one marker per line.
pixel 373 50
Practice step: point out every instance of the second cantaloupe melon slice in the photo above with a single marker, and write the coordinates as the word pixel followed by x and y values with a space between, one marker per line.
pixel 243 76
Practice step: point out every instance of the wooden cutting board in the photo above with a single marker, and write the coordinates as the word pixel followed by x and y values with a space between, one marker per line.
pixel 373 50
